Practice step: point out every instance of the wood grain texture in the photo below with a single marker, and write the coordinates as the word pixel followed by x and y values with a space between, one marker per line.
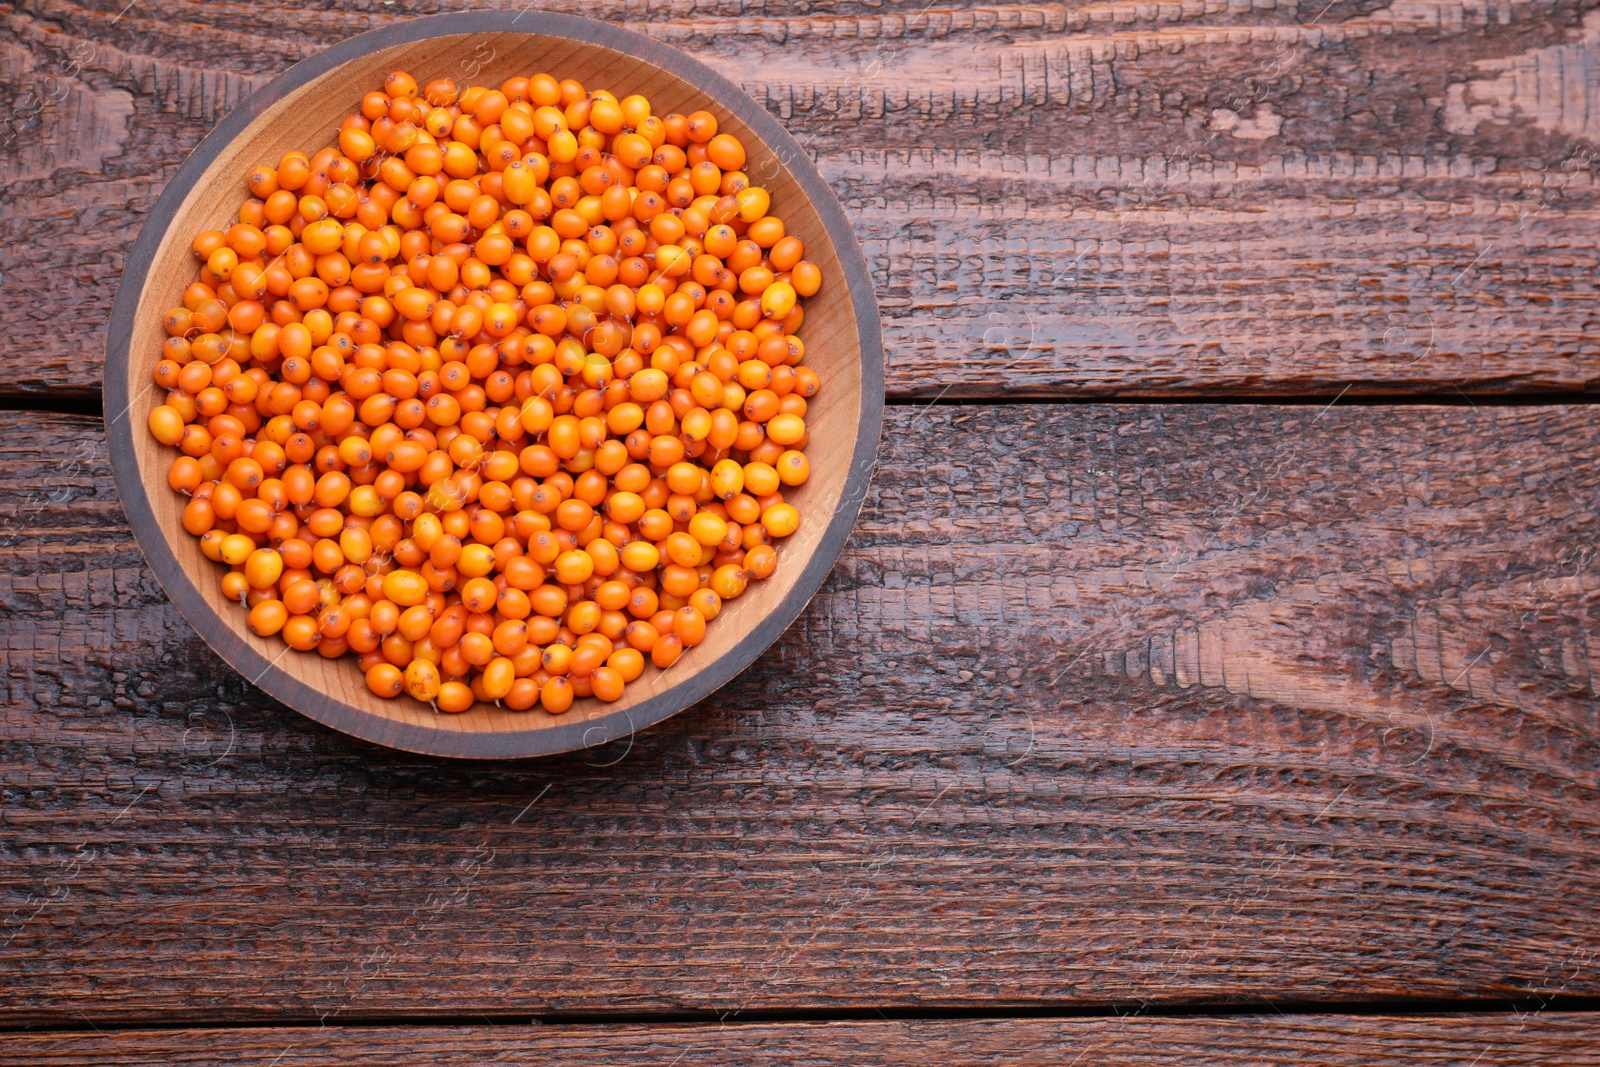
pixel 1322 1041
pixel 1107 198
pixel 1103 705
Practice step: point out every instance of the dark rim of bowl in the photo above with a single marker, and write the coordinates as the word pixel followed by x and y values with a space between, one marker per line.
pixel 430 740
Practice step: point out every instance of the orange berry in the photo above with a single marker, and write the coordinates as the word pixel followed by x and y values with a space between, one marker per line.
pixel 386 680
pixel 556 695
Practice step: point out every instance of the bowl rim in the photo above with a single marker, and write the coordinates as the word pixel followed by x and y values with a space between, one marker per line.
pixel 181 587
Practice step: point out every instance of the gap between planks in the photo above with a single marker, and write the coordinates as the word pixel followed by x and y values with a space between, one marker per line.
pixel 1471 1006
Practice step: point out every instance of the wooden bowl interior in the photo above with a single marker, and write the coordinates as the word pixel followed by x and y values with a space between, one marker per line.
pixel 307 118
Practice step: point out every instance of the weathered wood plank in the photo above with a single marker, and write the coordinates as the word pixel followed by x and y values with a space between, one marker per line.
pixel 1569 1040
pixel 1112 198
pixel 1103 705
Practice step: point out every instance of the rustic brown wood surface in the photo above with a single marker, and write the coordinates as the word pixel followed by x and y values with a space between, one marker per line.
pixel 1103 706
pixel 1101 198
pixel 1105 709
pixel 1566 1040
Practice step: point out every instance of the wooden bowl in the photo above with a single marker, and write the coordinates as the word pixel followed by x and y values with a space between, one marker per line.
pixel 302 110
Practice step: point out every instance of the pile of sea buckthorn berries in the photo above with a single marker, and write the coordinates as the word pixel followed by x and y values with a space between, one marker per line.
pixel 501 394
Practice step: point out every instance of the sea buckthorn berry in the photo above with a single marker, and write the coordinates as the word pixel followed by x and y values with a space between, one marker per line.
pixel 752 203
pixel 706 602
pixel 726 152
pixel 760 479
pixel 806 278
pixel 683 549
pixel 166 424
pixel 405 588
pixel 781 520
pixel 641 635
pixel 666 650
pixel 607 683
pixel 556 695
pixel 454 697
pixel 689 625
pixel 793 468
pixel 401 85
pixel 386 680
pixel 267 617
pixel 778 300
pixel 729 581
pixel 263 567
pixel 574 567
pixel 707 529
pixel 761 561
pixel 641 557
pixel 627 662
pixel 236 548
pixel 786 429
pixel 422 680
pixel 300 632
pixel 499 674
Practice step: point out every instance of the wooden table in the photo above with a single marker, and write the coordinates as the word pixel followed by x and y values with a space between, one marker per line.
pixel 1212 676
